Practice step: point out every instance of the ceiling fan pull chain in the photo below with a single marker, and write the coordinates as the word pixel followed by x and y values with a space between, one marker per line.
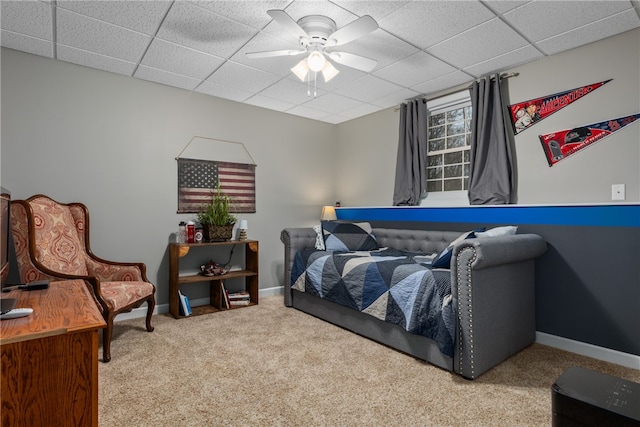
pixel 315 84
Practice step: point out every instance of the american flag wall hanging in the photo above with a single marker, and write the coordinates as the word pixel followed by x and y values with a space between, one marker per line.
pixel 198 179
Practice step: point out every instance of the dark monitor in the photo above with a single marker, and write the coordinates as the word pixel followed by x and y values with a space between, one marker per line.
pixel 5 232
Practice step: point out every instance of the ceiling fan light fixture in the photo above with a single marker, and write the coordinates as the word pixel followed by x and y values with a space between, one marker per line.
pixel 329 71
pixel 301 69
pixel 316 61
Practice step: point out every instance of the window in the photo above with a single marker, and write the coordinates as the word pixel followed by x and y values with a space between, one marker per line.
pixel 449 135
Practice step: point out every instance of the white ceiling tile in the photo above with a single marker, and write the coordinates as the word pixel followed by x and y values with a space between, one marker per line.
pixel 141 16
pixel 361 110
pixel 502 6
pixel 270 103
pixel 190 25
pixel 222 91
pixel 180 60
pixel 556 17
pixel 92 35
pixel 243 77
pixel 26 44
pixel 248 12
pixel 307 112
pixel 380 46
pixel 94 60
pixel 165 78
pixel 369 88
pixel 332 103
pixel 377 9
pixel 299 9
pixel 395 98
pixel 503 62
pixel 601 29
pixel 293 92
pixel 441 83
pixel 414 69
pixel 425 23
pixel 335 119
pixel 478 44
pixel 30 18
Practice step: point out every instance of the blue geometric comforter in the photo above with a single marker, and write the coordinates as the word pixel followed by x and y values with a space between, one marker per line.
pixel 391 285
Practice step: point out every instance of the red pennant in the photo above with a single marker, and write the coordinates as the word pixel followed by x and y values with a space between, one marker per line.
pixel 562 144
pixel 526 114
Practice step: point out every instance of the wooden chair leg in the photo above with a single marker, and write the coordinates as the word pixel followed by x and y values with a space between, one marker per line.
pixel 106 339
pixel 151 302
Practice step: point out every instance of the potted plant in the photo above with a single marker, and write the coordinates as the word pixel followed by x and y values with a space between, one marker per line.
pixel 216 219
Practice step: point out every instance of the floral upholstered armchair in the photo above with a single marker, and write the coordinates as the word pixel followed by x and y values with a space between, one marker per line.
pixel 52 242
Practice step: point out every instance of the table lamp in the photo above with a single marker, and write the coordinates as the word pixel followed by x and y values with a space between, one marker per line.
pixel 328 213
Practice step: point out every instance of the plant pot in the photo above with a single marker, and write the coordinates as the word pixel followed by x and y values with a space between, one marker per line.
pixel 218 233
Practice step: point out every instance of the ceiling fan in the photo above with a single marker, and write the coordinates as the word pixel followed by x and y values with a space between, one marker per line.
pixel 318 35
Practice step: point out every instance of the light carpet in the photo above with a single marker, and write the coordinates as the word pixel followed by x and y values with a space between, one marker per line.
pixel 271 365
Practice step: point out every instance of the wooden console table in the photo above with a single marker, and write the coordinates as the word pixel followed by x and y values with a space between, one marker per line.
pixel 50 358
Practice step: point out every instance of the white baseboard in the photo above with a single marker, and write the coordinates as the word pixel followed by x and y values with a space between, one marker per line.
pixel 590 350
pixel 164 308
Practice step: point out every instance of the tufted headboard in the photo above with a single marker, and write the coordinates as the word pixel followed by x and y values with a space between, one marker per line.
pixel 424 241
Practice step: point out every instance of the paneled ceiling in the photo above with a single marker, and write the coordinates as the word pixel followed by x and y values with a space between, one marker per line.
pixel 422 47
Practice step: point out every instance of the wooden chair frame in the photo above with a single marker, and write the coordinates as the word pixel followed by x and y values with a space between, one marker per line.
pixel 108 312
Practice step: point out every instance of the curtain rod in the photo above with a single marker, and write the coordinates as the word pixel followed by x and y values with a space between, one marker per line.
pixel 502 76
pixel 424 98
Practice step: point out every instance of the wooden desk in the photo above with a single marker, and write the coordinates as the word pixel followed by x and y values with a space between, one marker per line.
pixel 49 359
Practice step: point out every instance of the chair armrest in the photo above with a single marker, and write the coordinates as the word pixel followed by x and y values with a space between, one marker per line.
pixel 110 271
pixel 294 239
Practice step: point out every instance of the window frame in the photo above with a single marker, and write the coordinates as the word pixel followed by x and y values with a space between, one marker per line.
pixel 460 98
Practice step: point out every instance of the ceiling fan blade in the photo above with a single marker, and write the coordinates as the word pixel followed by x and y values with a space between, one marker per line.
pixel 354 61
pixel 358 28
pixel 287 22
pixel 272 53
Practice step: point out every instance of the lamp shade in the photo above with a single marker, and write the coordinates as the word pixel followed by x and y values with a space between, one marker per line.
pixel 243 224
pixel 301 69
pixel 328 213
pixel 329 71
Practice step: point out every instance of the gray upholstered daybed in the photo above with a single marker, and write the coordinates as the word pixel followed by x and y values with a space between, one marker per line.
pixel 491 296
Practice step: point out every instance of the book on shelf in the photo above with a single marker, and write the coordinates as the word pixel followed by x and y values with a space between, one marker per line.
pixel 239 299
pixel 239 296
pixel 225 295
pixel 185 307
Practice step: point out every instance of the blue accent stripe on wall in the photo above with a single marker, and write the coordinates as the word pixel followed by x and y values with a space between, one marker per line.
pixel 594 215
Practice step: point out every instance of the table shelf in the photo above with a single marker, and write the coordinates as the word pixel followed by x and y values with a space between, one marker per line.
pixel 249 271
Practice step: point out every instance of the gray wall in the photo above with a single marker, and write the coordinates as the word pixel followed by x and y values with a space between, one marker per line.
pixel 110 141
pixel 370 143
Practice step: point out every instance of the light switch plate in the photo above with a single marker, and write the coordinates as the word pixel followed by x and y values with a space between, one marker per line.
pixel 617 192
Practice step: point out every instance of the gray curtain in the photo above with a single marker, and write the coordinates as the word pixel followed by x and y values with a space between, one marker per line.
pixel 491 174
pixel 411 163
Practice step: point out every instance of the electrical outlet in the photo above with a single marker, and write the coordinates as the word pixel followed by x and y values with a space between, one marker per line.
pixel 617 192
